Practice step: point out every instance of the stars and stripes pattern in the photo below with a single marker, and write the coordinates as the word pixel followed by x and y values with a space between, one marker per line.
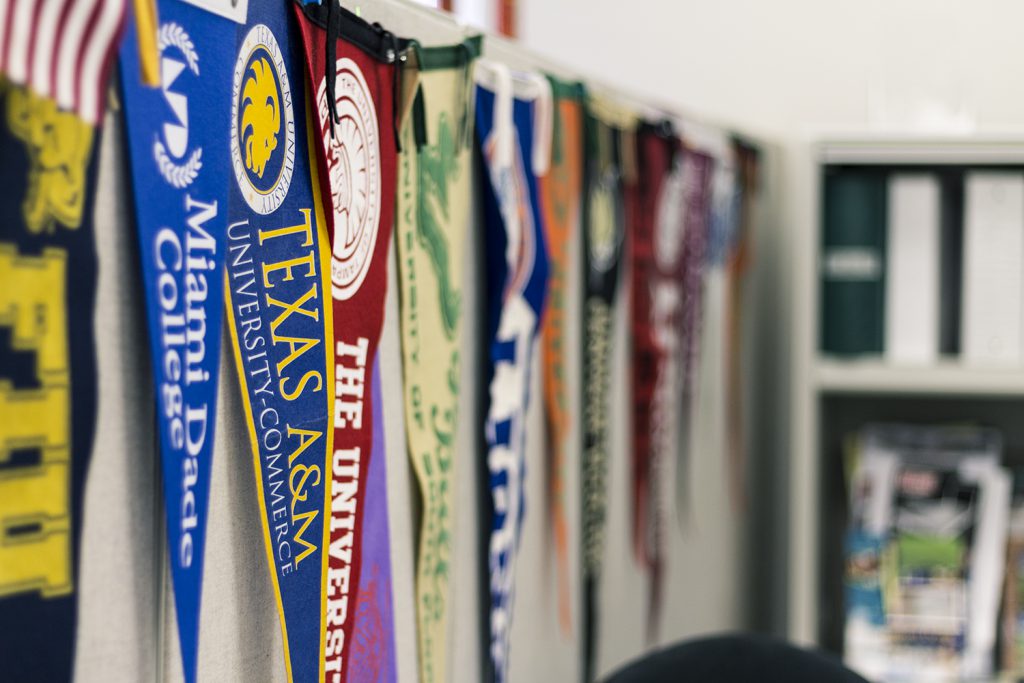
pixel 61 49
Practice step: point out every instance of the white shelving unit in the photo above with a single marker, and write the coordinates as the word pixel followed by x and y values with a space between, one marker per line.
pixel 830 394
pixel 948 378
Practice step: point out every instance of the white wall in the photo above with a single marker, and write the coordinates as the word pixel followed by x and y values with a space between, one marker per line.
pixel 789 66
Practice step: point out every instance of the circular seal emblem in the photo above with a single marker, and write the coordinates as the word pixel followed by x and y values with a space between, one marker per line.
pixel 601 232
pixel 262 123
pixel 353 159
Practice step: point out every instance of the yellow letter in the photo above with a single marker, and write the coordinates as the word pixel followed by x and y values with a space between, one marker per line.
pixel 35 520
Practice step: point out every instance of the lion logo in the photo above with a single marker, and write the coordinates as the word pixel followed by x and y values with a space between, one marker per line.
pixel 262 122
pixel 261 116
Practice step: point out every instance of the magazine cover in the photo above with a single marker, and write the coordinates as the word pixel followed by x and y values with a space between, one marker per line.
pixel 929 508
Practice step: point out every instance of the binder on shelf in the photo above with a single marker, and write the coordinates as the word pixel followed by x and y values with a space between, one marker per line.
pixel 992 272
pixel 853 260
pixel 912 269
pixel 951 215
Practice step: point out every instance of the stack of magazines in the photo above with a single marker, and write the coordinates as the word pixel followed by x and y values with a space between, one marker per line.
pixel 925 552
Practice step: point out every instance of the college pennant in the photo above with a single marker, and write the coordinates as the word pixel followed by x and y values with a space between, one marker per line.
pixel 433 204
pixel 604 229
pixel 352 67
pixel 737 267
pixel 54 70
pixel 281 322
pixel 698 173
pixel 372 658
pixel 513 118
pixel 656 299
pixel 673 186
pixel 561 193
pixel 180 176
pixel 706 306
pixel 48 387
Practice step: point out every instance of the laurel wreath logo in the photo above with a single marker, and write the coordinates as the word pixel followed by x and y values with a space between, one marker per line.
pixel 178 175
pixel 173 35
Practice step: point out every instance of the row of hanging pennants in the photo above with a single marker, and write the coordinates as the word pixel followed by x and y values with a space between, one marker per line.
pixel 283 148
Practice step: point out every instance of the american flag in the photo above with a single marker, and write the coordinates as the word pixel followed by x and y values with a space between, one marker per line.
pixel 61 49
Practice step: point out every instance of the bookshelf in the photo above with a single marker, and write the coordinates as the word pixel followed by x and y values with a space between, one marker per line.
pixel 832 396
